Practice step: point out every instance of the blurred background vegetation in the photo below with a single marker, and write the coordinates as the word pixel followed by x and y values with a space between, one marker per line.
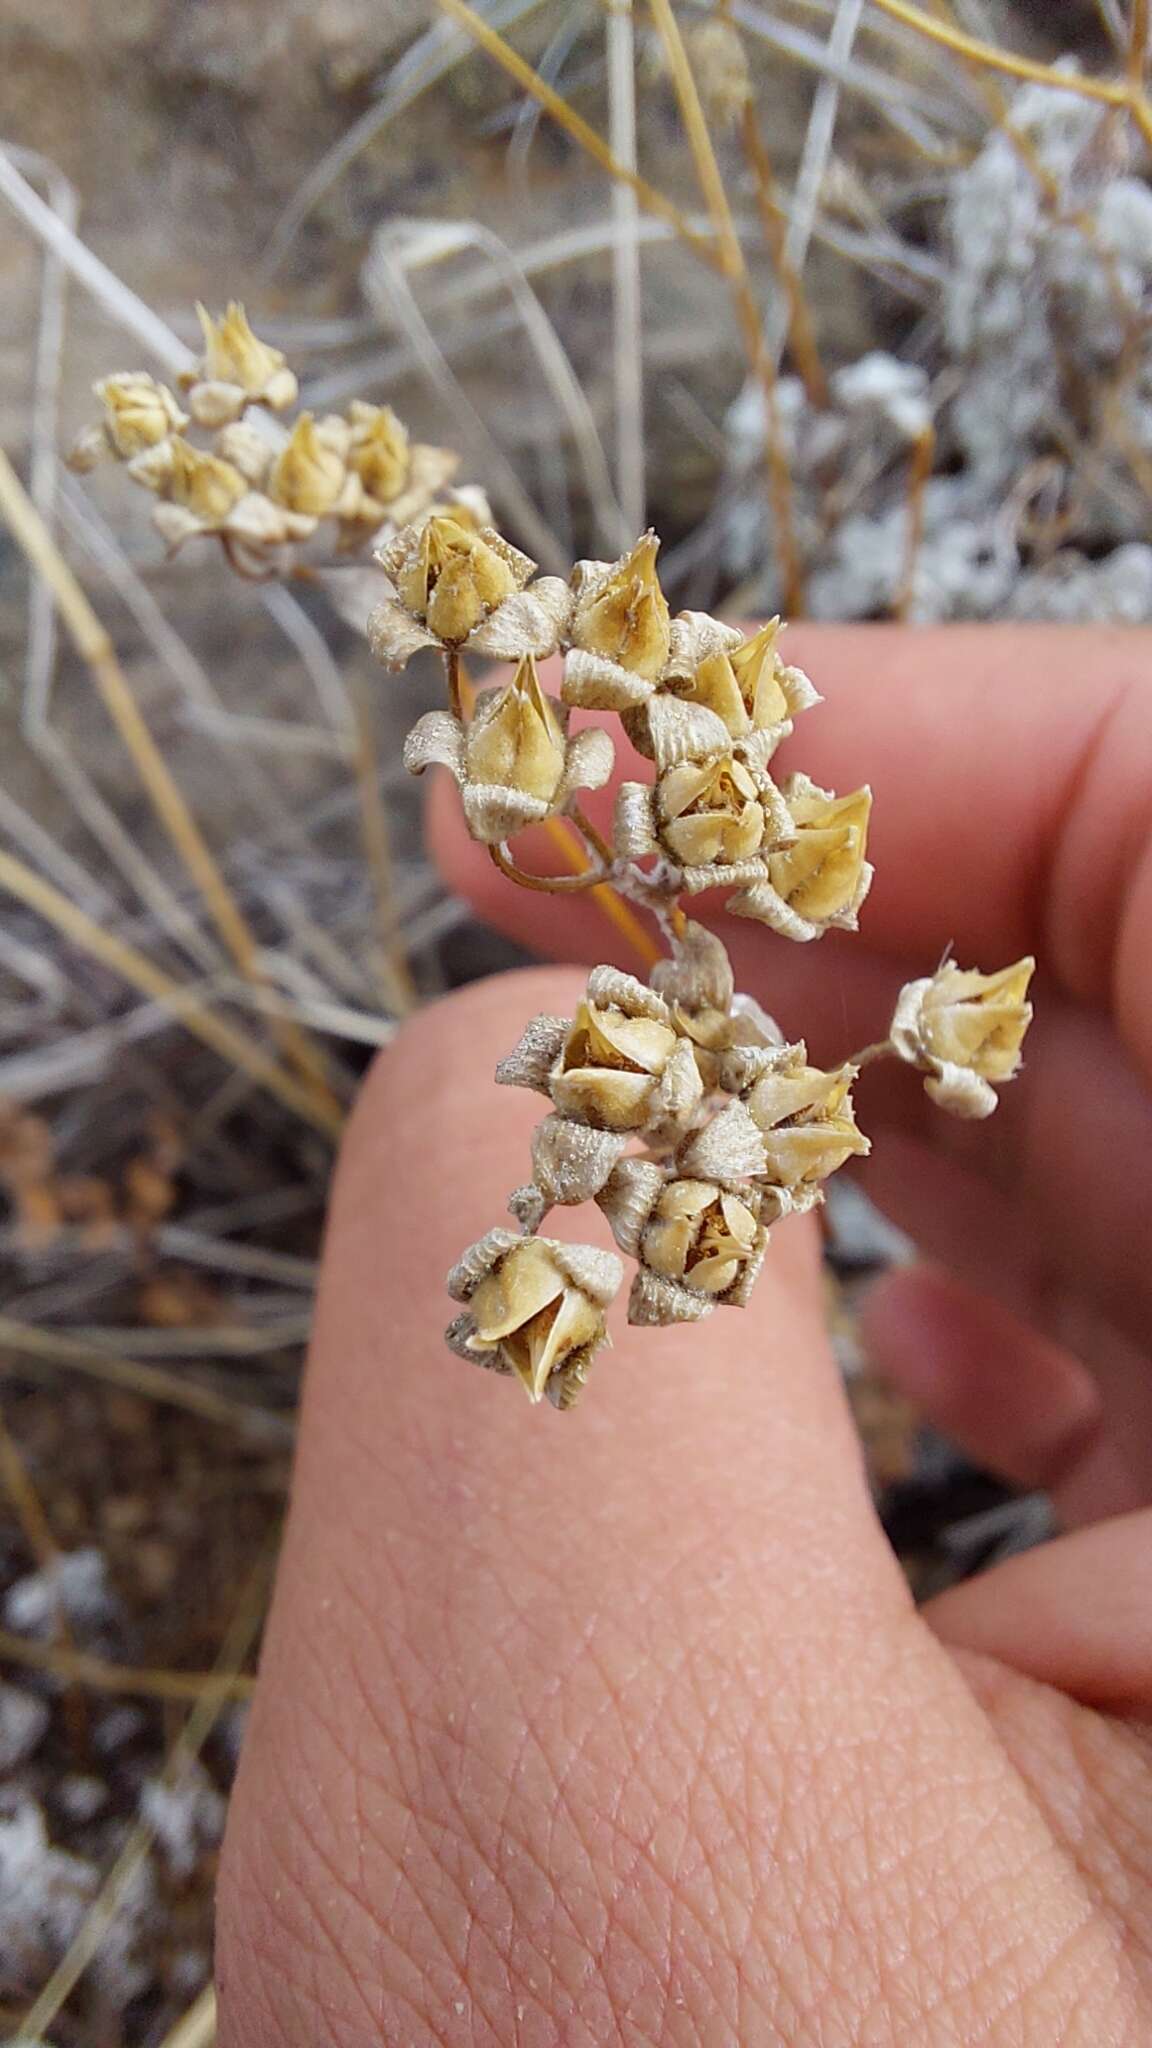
pixel 848 298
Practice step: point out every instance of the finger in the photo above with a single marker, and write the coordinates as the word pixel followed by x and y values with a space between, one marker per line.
pixel 1014 1401
pixel 1075 1613
pixel 476 1594
pixel 1011 767
pixel 560 1717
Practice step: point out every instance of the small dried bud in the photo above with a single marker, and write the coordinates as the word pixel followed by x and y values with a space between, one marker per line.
pixel 822 877
pixel 311 471
pixel 698 977
pixel 461 586
pixel 138 412
pixel 571 1162
pixel 806 1118
pixel 965 1030
pixel 236 369
pixel 247 449
pixel 535 1308
pixel 201 490
pixel 380 451
pixel 619 636
pixel 514 761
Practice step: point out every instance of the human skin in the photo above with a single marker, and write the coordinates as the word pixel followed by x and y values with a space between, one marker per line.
pixel 620 1726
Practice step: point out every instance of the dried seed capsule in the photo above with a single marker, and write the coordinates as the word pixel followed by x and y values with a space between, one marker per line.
pixel 821 878
pixel 514 762
pixel 964 1030
pixel 535 1308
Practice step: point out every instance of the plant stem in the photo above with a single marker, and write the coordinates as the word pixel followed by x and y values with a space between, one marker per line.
pixel 453 671
pixel 551 885
pixel 595 838
pixel 882 1049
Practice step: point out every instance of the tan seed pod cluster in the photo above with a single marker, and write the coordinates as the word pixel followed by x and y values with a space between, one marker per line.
pixel 964 1031
pixel 677 1106
pixel 264 492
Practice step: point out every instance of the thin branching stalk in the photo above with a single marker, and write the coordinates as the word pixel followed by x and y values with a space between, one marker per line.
pixel 1114 92
pixel 17 1483
pixel 548 885
pixel 801 331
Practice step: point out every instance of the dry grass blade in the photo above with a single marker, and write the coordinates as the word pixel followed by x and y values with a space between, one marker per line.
pixel 744 302
pixel 237 1644
pixel 96 649
pixel 574 125
pixel 58 1348
pixel 143 974
pixel 397 986
pixel 1113 92
pixel 627 344
pixel 122 304
pixel 75 1667
pixel 197 2029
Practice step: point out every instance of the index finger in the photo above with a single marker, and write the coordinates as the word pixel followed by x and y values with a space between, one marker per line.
pixel 1012 772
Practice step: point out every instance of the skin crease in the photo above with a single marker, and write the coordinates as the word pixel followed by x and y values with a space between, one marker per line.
pixel 620 1726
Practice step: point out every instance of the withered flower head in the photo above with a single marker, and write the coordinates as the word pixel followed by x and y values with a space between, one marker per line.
pixel 380 450
pixel 702 1238
pixel 623 1066
pixel 514 762
pixel 740 684
pixel 139 412
pixel 235 370
pixel 964 1030
pixel 717 819
pixel 619 635
pixel 822 877
pixel 535 1308
pixel 806 1118
pixel 619 1064
pixel 461 586
pixel 200 491
pixel 311 471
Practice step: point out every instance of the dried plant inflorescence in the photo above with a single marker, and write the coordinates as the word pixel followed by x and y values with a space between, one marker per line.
pixel 264 488
pixel 677 1106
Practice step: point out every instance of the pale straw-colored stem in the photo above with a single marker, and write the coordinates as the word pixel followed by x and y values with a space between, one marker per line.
pixel 743 299
pixel 554 103
pixel 197 2028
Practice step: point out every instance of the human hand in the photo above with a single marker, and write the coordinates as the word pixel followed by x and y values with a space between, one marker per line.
pixel 620 1726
